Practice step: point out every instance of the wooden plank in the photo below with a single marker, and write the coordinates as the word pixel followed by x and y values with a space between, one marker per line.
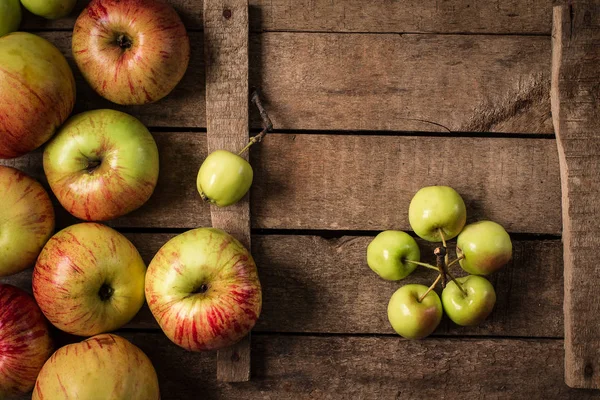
pixel 352 182
pixel 293 367
pixel 315 285
pixel 576 113
pixel 226 59
pixel 509 16
pixel 434 83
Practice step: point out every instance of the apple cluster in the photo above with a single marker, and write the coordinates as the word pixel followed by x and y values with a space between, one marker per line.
pixel 88 280
pixel 438 214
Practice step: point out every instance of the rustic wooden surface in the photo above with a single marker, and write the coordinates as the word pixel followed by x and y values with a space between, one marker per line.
pixel 576 113
pixel 372 100
pixel 226 60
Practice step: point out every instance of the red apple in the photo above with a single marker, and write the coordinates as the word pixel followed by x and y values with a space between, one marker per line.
pixel 25 342
pixel 102 367
pixel 203 289
pixel 26 220
pixel 37 92
pixel 131 52
pixel 89 279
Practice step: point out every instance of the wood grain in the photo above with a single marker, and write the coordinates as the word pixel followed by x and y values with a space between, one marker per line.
pixel 316 285
pixel 461 16
pixel 299 367
pixel 432 83
pixel 576 113
pixel 352 182
pixel 226 61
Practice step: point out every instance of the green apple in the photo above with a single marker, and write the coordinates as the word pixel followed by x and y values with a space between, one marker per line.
pixel 389 252
pixel 472 308
pixel 49 9
pixel 434 209
pixel 10 16
pixel 485 246
pixel 224 178
pixel 409 317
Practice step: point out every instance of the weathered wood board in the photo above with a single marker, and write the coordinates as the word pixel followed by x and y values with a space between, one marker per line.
pixel 576 113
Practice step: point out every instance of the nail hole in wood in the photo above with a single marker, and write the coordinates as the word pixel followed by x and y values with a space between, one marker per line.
pixel 235 357
pixel 227 13
pixel 588 371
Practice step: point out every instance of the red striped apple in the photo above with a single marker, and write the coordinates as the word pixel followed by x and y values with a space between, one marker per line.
pixel 26 220
pixel 89 279
pixel 131 52
pixel 203 289
pixel 37 92
pixel 25 342
pixel 102 164
pixel 101 367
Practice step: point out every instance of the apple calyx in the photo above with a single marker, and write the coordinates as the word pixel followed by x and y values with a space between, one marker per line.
pixel 124 41
pixel 201 289
pixel 93 165
pixel 105 292
pixel 205 198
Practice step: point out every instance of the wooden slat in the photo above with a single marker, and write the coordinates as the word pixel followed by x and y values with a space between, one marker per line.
pixel 316 285
pixel 509 16
pixel 350 182
pixel 394 82
pixel 292 367
pixel 226 55
pixel 576 112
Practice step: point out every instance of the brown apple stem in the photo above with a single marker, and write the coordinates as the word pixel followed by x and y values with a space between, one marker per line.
pixel 454 261
pixel 457 283
pixel 422 264
pixel 440 253
pixel 433 285
pixel 266 122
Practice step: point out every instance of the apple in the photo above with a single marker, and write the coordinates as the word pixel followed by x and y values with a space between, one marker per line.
pixel 89 279
pixel 37 92
pixel 49 9
pixel 472 308
pixel 389 252
pixel 485 246
pixel 25 342
pixel 101 367
pixel 10 16
pixel 102 164
pixel 410 318
pixel 26 220
pixel 203 289
pixel 224 178
pixel 434 209
pixel 131 52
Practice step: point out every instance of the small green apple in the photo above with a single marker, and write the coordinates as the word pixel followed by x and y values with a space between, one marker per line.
pixel 49 9
pixel 473 308
pixel 388 253
pixel 224 178
pixel 486 247
pixel 435 208
pixel 10 16
pixel 410 318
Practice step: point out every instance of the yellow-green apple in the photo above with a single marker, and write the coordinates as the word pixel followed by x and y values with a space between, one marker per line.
pixel 485 246
pixel 10 16
pixel 102 367
pixel 26 220
pixel 472 308
pixel 390 253
pixel 49 9
pixel 25 342
pixel 203 289
pixel 131 52
pixel 411 318
pixel 37 92
pixel 224 178
pixel 434 209
pixel 89 279
pixel 102 164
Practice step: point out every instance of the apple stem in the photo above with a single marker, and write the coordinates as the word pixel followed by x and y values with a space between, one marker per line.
pixel 422 264
pixel 266 121
pixel 440 253
pixel 433 285
pixel 443 243
pixel 454 261
pixel 457 283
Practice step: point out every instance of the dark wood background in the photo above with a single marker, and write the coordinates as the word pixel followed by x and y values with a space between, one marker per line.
pixel 371 100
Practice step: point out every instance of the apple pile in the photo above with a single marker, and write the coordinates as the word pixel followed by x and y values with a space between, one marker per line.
pixel 438 214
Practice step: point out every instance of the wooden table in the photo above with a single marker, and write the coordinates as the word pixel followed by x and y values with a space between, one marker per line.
pixel 371 100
